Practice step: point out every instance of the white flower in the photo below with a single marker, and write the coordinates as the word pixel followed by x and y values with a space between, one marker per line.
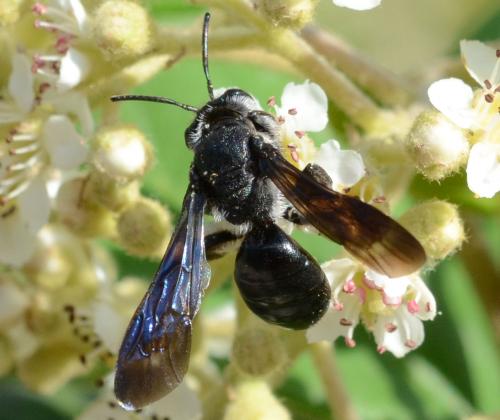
pixel 20 89
pixel 345 167
pixel 357 4
pixel 477 112
pixel 303 108
pixel 392 308
pixel 181 404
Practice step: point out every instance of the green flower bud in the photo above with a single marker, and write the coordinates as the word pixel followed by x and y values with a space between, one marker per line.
pixel 438 227
pixel 254 400
pixel 438 146
pixel 121 152
pixel 144 228
pixel 289 13
pixel 10 11
pixel 258 351
pixel 122 29
pixel 80 214
pixel 108 192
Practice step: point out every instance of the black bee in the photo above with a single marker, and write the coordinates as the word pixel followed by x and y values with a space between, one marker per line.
pixel 239 174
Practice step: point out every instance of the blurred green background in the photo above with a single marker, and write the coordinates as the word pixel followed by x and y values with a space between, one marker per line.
pixel 456 372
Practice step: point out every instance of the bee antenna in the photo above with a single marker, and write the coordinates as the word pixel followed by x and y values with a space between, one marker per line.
pixel 204 45
pixel 148 98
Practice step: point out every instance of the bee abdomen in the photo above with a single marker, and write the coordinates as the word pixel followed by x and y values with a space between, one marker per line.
pixel 279 280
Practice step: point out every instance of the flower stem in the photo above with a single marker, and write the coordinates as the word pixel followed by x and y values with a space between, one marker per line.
pixel 383 85
pixel 340 403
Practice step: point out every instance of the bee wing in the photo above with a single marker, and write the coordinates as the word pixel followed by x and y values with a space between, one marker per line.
pixel 367 233
pixel 154 354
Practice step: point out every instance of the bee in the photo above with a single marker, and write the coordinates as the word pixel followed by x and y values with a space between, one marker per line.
pixel 240 175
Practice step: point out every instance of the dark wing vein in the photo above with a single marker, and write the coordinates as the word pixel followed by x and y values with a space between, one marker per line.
pixel 367 233
pixel 154 354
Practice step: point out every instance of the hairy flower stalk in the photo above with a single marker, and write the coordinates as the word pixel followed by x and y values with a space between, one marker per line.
pixel 68 181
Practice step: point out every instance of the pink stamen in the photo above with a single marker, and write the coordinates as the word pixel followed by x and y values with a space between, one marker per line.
pixel 292 111
pixel 381 349
pixel 281 120
pixel 497 52
pixel 362 294
pixel 39 8
pixel 338 306
pixel 428 307
pixel 300 133
pixel 410 344
pixel 37 64
pixel 271 101
pixel 380 199
pixel 413 307
pixel 391 327
pixel 345 322
pixel 349 342
pixel 349 287
pixel 43 87
pixel 369 283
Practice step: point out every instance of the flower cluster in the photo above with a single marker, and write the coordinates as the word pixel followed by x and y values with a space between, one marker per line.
pixel 467 127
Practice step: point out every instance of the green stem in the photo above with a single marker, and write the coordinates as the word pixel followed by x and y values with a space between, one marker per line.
pixel 379 82
pixel 338 398
pixel 478 262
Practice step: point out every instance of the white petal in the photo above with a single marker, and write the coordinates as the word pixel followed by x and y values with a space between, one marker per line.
pixel 22 339
pixel 357 4
pixel 64 144
pixel 13 301
pixel 79 13
pixel 333 324
pixel 345 167
pixel 425 299
pixel 453 98
pixel 339 271
pixel 74 68
pixel 34 205
pixel 18 242
pixel 181 404
pixel 75 103
pixel 21 82
pixel 408 335
pixel 109 325
pixel 483 169
pixel 393 288
pixel 311 104
pixel 480 61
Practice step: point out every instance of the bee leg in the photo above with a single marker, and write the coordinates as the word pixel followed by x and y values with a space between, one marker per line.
pixel 318 174
pixel 219 243
pixel 279 280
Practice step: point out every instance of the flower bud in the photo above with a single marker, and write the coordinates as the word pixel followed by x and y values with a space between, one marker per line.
pixel 289 13
pixel 122 29
pixel 108 192
pixel 10 11
pixel 144 228
pixel 81 215
pixel 255 400
pixel 438 146
pixel 258 350
pixel 121 152
pixel 438 227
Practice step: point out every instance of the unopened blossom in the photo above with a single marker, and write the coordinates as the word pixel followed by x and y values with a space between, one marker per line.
pixel 477 113
pixel 358 4
pixel 391 308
